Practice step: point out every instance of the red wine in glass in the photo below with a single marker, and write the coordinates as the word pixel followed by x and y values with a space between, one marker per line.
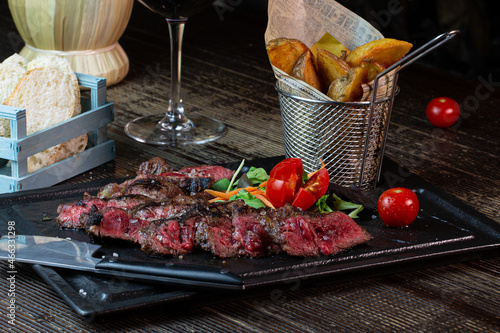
pixel 174 128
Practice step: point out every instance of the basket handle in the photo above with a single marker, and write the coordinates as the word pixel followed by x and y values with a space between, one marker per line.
pixel 396 67
pixel 414 56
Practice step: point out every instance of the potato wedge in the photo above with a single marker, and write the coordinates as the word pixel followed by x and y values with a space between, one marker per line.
pixel 385 51
pixel 283 53
pixel 373 68
pixel 305 70
pixel 330 44
pixel 347 88
pixel 330 67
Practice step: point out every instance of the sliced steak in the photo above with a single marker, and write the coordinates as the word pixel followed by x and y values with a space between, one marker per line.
pixel 69 214
pixel 251 234
pixel 154 166
pixel 215 172
pixel 151 186
pixel 214 231
pixel 299 237
pixel 169 236
pixel 336 231
pixel 187 183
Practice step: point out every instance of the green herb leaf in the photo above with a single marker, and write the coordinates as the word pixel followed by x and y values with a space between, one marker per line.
pixel 235 175
pixel 221 185
pixel 339 204
pixel 257 175
pixel 248 198
pixel 321 206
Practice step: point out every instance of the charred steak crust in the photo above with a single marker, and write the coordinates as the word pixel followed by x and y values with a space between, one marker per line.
pixel 154 166
pixel 168 214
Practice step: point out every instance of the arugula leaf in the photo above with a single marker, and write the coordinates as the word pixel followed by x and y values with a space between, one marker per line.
pixel 321 205
pixel 339 204
pixel 248 198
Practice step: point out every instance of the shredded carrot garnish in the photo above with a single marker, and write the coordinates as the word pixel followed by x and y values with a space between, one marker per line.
pixel 264 200
pixel 228 195
pixel 263 184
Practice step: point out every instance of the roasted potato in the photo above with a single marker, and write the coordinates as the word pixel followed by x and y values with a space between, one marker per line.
pixel 284 53
pixel 330 44
pixel 385 51
pixel 347 88
pixel 373 68
pixel 305 70
pixel 330 67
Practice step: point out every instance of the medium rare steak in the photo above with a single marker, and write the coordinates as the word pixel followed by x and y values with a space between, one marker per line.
pixel 167 213
pixel 214 231
pixel 69 214
pixel 151 186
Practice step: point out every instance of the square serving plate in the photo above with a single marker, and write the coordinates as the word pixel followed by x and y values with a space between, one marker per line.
pixel 446 231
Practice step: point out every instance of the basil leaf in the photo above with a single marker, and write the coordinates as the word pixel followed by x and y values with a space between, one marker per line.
pixel 257 175
pixel 221 185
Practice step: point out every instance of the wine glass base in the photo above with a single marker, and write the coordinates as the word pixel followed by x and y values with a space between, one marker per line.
pixel 146 130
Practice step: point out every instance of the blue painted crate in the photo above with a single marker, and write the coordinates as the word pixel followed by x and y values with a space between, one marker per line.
pixel 96 114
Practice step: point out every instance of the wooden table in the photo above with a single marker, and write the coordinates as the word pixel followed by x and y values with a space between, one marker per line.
pixel 227 75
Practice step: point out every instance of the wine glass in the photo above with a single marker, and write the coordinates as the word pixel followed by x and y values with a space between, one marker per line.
pixel 174 128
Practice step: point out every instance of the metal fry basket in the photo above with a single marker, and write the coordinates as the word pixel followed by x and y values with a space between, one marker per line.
pixel 349 138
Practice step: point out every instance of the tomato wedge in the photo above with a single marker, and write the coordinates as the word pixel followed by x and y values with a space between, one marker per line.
pixel 284 182
pixel 303 199
pixel 318 184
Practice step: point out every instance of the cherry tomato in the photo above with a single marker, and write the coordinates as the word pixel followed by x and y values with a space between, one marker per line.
pixel 398 207
pixel 284 182
pixel 443 112
pixel 303 199
pixel 317 185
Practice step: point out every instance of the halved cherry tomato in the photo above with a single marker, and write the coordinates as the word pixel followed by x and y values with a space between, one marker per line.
pixel 284 182
pixel 303 199
pixel 398 207
pixel 317 185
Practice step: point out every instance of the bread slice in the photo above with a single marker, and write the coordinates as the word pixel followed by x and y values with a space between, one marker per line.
pixel 64 66
pixel 12 70
pixel 50 97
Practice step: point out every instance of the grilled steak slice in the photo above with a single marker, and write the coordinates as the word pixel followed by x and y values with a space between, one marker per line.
pixel 154 166
pixel 69 214
pixel 111 222
pixel 214 231
pixel 250 234
pixel 312 235
pixel 336 231
pixel 121 223
pixel 215 172
pixel 174 236
pixel 188 184
pixel 152 186
pixel 298 238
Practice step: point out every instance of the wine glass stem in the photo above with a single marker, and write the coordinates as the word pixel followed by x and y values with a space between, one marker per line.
pixel 175 118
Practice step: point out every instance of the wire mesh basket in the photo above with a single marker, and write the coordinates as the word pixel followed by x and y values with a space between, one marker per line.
pixel 349 138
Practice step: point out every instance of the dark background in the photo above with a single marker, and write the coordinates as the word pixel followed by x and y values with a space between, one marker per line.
pixel 475 52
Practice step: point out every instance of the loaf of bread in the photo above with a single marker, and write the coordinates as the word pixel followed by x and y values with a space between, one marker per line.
pixel 50 94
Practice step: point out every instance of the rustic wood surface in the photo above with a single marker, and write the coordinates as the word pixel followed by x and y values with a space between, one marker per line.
pixel 226 75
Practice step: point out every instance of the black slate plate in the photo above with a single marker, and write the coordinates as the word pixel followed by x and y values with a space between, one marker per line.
pixel 445 232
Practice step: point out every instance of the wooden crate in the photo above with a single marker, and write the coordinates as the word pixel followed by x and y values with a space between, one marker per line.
pixel 96 114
